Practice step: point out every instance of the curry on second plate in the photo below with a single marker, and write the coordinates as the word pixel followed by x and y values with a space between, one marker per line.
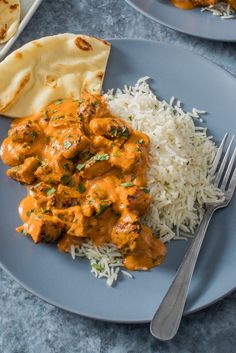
pixel 190 4
pixel 90 173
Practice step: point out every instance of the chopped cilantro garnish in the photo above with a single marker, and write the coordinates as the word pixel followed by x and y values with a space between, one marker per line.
pixel 81 188
pixel 116 154
pixel 66 166
pixel 24 232
pixel 126 133
pixel 29 212
pixel 127 184
pixel 58 117
pixel 80 116
pixel 97 267
pixel 34 134
pixel 65 179
pixel 67 144
pixel 70 183
pixel 114 130
pixel 59 101
pixel 80 166
pixel 145 189
pixel 119 131
pixel 103 207
pixel 101 157
pixel 94 104
pixel 50 191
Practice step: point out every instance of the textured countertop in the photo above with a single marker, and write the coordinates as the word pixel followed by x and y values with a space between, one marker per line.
pixel 29 325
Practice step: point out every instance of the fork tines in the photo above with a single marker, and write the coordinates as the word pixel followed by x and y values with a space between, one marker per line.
pixel 223 168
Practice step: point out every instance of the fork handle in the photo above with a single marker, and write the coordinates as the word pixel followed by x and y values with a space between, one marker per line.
pixel 166 320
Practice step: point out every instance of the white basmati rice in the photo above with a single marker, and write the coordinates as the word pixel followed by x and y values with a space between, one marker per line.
pixel 221 9
pixel 181 156
pixel 105 260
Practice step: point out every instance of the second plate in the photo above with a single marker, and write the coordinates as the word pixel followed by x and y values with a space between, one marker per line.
pixel 194 22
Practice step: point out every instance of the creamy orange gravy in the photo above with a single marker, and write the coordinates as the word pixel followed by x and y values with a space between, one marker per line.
pixel 87 171
pixel 183 4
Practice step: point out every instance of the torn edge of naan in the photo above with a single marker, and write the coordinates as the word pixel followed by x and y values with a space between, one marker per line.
pixel 51 68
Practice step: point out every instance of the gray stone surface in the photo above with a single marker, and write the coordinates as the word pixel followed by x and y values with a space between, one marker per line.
pixel 29 325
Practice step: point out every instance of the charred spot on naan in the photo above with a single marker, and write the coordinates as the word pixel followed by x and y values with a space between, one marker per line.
pixel 18 55
pixel 37 44
pixel 83 44
pixel 100 75
pixel 14 7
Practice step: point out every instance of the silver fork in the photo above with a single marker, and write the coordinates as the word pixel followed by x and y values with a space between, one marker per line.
pixel 166 320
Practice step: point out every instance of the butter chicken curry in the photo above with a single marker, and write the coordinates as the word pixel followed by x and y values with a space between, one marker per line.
pixel 88 174
pixel 190 4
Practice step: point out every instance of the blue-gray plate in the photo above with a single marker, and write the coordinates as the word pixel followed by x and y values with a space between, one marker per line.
pixel 67 283
pixel 194 22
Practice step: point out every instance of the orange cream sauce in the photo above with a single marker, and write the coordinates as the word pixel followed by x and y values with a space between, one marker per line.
pixel 183 4
pixel 87 174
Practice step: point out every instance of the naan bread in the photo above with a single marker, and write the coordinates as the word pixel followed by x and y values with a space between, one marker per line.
pixel 9 19
pixel 51 68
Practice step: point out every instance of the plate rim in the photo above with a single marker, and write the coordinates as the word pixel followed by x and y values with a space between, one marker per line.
pixel 130 321
pixel 148 15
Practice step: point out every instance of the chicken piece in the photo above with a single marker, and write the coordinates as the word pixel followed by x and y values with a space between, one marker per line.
pixel 24 173
pixel 123 160
pixel 53 172
pixel 126 231
pixel 134 199
pixel 64 197
pixel 89 106
pixel 95 166
pixel 149 252
pixel 102 143
pixel 79 225
pixel 27 132
pixel 44 173
pixel 74 145
pixel 100 227
pixel 43 228
pixel 74 220
pixel 111 128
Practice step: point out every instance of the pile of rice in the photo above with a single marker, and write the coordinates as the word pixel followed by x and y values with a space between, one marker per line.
pixel 181 156
pixel 221 9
